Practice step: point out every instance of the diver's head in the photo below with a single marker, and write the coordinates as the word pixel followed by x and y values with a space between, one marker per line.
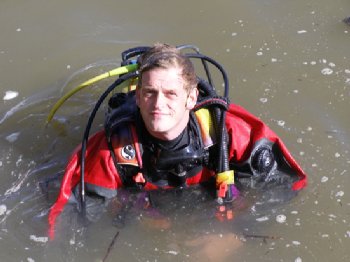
pixel 166 57
pixel 166 92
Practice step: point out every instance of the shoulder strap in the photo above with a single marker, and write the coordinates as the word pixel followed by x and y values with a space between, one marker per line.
pixel 124 146
pixel 206 125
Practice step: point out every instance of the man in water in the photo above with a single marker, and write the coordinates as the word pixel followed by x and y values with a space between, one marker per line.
pixel 159 137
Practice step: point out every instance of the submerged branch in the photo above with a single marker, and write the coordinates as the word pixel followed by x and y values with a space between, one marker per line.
pixel 110 246
pixel 263 237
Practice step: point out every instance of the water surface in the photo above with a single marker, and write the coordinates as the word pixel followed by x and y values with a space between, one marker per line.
pixel 288 63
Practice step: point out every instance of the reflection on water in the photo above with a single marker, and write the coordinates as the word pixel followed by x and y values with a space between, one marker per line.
pixel 288 63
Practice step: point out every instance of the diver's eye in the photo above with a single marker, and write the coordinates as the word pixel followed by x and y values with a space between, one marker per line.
pixel 171 94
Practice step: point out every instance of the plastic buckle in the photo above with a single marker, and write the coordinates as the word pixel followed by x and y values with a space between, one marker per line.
pixel 222 190
pixel 138 178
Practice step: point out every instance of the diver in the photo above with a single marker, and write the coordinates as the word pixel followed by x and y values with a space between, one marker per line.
pixel 174 131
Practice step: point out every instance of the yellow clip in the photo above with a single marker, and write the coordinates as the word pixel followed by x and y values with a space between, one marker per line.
pixel 225 177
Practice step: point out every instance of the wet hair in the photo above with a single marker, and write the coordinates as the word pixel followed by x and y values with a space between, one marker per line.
pixel 166 56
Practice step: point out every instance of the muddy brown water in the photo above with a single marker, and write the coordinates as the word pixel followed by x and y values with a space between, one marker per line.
pixel 288 63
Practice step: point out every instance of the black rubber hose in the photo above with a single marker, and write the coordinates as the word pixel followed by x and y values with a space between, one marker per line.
pixel 223 161
pixel 134 52
pixel 87 132
pixel 218 66
pixel 206 88
pixel 221 116
pixel 205 65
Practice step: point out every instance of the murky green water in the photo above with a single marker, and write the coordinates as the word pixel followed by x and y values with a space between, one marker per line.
pixel 288 63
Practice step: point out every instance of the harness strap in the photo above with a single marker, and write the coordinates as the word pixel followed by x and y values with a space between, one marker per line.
pixel 126 150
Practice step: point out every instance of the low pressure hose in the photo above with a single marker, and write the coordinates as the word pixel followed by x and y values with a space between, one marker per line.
pixel 114 72
pixel 132 52
pixel 204 63
pixel 218 66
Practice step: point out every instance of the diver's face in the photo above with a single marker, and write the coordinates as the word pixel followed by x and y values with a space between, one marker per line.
pixel 164 102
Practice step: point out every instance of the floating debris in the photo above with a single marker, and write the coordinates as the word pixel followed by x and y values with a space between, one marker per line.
pixel 13 137
pixel 39 239
pixel 324 179
pixel 281 218
pixel 173 252
pixel 10 95
pixel 339 194
pixel 263 100
pixel 326 71
pixel 347 234
pixel 302 31
pixel 3 209
pixel 347 20
pixel 261 219
pixel 281 122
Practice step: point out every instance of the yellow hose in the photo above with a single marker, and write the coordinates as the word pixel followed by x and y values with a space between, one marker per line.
pixel 114 72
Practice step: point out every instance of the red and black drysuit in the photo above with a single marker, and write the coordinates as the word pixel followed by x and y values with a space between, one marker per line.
pixel 121 161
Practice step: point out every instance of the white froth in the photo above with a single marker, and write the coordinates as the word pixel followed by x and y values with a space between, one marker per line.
pixel 39 239
pixel 10 95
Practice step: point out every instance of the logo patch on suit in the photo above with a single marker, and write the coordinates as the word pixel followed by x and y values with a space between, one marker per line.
pixel 128 152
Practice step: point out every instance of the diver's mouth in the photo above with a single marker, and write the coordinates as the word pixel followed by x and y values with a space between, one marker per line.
pixel 158 114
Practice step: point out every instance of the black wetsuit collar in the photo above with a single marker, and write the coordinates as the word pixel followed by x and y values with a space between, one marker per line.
pixel 181 141
pixel 171 162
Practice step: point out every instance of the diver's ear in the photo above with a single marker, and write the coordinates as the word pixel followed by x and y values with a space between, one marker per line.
pixel 192 98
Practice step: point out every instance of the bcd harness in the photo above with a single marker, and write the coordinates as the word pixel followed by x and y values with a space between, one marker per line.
pixel 162 167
